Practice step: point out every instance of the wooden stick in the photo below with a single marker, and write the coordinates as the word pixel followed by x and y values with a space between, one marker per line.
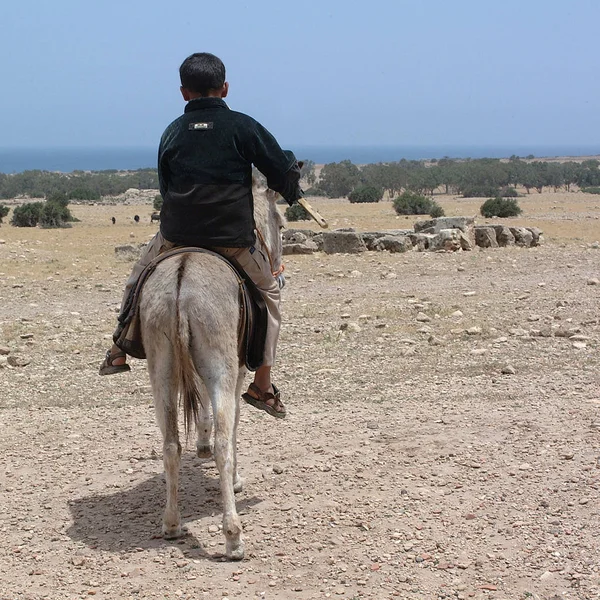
pixel 313 213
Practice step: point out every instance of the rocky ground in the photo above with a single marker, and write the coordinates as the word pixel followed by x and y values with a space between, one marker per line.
pixel 443 438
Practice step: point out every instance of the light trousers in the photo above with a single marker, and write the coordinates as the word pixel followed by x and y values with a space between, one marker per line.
pixel 256 264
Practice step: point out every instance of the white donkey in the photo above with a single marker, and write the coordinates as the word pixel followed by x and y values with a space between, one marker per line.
pixel 189 313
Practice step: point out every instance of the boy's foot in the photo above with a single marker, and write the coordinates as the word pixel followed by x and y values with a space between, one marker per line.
pixel 109 368
pixel 268 401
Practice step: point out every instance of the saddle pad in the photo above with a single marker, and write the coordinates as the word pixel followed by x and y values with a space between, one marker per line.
pixel 253 313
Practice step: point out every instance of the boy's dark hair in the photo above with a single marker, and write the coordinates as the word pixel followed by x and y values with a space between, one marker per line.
pixel 202 72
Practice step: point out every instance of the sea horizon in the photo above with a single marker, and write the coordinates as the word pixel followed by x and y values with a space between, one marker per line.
pixel 68 159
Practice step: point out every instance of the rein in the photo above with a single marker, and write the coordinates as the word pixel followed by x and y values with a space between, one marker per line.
pixel 276 272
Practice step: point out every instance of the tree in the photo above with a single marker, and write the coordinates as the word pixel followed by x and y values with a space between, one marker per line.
pixel 554 176
pixel 27 215
pixel 339 179
pixel 307 171
pixel 500 207
pixel 391 177
pixel 158 202
pixel 50 214
pixel 531 177
pixel 411 203
pixel 84 194
pixel 4 210
pixel 296 212
pixel 480 191
pixel 570 174
pixel 365 193
pixel 424 180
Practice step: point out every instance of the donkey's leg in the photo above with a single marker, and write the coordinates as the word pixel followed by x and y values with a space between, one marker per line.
pixel 171 460
pixel 238 483
pixel 204 447
pixel 165 404
pixel 222 390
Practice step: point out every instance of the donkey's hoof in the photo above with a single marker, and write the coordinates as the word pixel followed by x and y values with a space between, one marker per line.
pixel 172 532
pixel 238 485
pixel 235 551
pixel 204 451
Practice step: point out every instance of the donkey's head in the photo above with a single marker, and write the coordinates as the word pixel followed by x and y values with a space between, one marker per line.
pixel 270 222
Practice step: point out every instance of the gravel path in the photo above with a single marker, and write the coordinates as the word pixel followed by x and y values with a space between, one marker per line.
pixel 443 439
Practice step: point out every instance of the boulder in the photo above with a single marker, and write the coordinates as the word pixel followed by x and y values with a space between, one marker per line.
pixel 485 237
pixel 318 240
pixel 504 236
pixel 307 247
pixel 297 238
pixel 436 225
pixel 294 235
pixel 371 238
pixel 337 242
pixel 537 236
pixel 421 241
pixel 393 243
pixel 447 239
pixel 523 237
pixel 466 242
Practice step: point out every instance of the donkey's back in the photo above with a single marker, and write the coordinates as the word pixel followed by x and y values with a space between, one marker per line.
pixel 189 313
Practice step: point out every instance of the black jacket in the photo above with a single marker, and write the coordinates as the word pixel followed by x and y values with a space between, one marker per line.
pixel 205 163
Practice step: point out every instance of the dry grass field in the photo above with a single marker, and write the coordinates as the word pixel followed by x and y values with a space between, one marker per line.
pixel 456 456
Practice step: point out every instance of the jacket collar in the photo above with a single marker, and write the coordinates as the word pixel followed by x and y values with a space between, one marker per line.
pixel 200 103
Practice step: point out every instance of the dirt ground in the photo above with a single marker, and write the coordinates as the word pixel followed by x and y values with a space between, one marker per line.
pixel 443 437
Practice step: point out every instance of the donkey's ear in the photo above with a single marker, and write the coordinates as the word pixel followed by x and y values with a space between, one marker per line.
pixel 271 195
pixel 300 164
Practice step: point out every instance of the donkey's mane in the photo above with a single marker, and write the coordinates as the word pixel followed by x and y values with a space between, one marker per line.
pixel 265 209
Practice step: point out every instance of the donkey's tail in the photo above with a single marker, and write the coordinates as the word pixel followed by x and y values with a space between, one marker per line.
pixel 188 382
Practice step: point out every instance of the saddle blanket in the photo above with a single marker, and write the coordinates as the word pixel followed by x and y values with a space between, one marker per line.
pixel 252 329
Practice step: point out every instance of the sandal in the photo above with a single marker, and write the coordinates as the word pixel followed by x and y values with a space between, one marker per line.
pixel 267 401
pixel 107 367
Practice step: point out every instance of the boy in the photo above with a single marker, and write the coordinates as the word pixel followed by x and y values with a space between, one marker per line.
pixel 205 163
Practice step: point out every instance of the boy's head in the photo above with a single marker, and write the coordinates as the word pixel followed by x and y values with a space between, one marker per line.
pixel 202 74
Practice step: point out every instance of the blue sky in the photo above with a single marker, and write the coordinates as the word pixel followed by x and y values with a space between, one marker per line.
pixel 317 72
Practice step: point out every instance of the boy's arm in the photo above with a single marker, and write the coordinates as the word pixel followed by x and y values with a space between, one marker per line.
pixel 162 171
pixel 280 167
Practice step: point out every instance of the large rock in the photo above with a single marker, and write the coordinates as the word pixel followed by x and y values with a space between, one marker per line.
pixel 370 238
pixel 299 241
pixel 449 240
pixel 436 225
pixel 537 236
pixel 338 242
pixel 297 236
pixel 485 237
pixel 504 235
pixel 393 243
pixel 318 240
pixel 523 237
pixel 462 224
pixel 467 242
pixel 307 247
pixel 421 241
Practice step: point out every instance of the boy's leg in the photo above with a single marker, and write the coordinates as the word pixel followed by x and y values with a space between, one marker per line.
pixel 115 357
pixel 155 246
pixel 256 264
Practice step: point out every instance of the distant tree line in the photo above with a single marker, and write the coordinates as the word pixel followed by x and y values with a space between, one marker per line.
pixel 78 185
pixel 478 178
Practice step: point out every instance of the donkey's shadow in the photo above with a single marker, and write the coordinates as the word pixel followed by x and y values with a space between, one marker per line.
pixel 132 518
